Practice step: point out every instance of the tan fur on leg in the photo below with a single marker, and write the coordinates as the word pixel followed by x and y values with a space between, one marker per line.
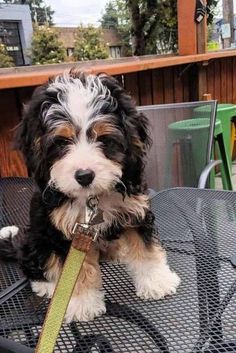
pixel 148 265
pixel 87 300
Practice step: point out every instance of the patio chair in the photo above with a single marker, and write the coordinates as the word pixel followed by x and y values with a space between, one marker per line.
pixel 184 135
pixel 197 227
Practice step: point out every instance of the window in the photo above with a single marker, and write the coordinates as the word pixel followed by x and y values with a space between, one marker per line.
pixel 9 35
pixel 115 51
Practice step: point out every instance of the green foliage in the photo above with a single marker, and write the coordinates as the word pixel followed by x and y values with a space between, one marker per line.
pixel 40 13
pixel 89 44
pixel 213 45
pixel 46 48
pixel 5 59
pixel 116 16
pixel 161 29
pixel 152 24
pixel 109 19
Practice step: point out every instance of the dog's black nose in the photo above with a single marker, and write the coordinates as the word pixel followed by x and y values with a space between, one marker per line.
pixel 84 176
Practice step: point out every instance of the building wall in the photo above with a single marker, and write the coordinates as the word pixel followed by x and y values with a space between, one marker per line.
pixel 111 37
pixel 20 14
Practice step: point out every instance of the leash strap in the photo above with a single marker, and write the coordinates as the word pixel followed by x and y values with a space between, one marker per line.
pixel 62 294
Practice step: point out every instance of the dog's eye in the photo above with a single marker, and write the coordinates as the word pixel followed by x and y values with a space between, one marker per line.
pixel 112 147
pixel 62 141
pixel 111 142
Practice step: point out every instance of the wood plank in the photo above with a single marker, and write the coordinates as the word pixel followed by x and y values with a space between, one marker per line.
pixel 229 80
pixel 202 80
pixel 33 76
pixel 178 85
pixel 157 86
pixel 210 72
pixel 11 161
pixel 187 32
pixel 186 90
pixel 145 87
pixel 168 86
pixel 223 73
pixel 131 86
pixel 234 80
pixel 217 81
pixel 202 34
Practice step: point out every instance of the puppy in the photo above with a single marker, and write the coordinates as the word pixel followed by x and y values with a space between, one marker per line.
pixel 81 135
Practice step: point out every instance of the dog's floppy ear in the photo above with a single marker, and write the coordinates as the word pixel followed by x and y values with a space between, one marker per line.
pixel 135 127
pixel 138 142
pixel 30 130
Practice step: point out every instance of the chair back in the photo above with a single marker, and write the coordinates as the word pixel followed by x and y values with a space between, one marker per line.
pixel 182 135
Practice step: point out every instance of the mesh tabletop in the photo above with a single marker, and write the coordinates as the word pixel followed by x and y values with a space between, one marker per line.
pixel 198 229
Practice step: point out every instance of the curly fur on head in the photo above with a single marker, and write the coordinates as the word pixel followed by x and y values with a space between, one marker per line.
pixel 85 120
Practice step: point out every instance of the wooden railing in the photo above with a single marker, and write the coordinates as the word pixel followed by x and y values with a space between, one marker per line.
pixel 150 80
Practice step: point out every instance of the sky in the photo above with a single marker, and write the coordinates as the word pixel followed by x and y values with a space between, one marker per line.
pixel 73 12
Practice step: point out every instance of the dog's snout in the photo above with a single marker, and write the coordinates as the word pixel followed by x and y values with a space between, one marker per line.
pixel 84 176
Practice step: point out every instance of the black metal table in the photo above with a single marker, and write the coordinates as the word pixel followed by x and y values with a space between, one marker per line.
pixel 198 229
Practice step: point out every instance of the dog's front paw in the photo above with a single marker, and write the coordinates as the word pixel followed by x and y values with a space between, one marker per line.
pixel 43 288
pixel 157 283
pixel 86 307
pixel 9 231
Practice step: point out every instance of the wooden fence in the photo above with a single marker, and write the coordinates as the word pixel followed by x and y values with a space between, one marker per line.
pixel 150 80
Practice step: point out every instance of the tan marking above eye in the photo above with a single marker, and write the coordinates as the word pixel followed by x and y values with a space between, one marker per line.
pixel 66 131
pixel 104 128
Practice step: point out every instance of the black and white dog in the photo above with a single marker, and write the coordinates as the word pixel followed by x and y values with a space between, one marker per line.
pixel 81 135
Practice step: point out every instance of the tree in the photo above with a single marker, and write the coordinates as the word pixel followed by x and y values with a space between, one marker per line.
pixel 46 47
pixel 5 59
pixel 109 19
pixel 116 17
pixel 40 13
pixel 89 44
pixel 144 23
pixel 151 24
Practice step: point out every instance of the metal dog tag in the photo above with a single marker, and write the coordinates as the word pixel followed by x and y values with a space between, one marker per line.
pixel 93 214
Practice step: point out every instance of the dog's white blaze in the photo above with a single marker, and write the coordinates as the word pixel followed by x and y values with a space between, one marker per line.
pixel 85 155
pixel 78 101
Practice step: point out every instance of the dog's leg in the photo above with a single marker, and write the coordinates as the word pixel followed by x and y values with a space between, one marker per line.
pixel 148 265
pixel 51 274
pixel 87 301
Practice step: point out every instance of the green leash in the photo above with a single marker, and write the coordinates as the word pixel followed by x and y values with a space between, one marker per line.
pixel 83 236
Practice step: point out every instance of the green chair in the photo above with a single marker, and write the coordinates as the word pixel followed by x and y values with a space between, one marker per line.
pixel 225 114
pixel 192 134
pixel 183 145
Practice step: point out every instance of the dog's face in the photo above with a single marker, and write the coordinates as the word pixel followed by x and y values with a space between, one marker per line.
pixel 82 135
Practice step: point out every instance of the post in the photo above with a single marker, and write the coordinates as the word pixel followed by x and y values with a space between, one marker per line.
pixel 187 31
pixel 202 34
